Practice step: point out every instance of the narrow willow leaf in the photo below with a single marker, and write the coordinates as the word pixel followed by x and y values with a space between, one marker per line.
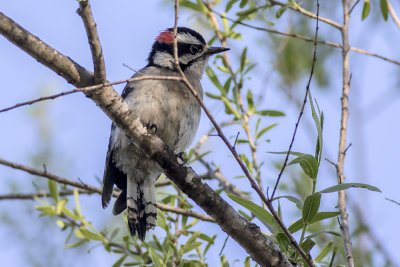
pixel 247 162
pixel 299 224
pixel 229 5
pixel 214 79
pixel 272 113
pixel 308 163
pixel 266 129
pixel 80 242
pixel 318 125
pixel 325 232
pixel 243 3
pixel 247 262
pixel 120 261
pixel 345 186
pixel 280 11
pixel 78 205
pixel 53 189
pixel 218 97
pixel 156 258
pixel 250 102
pixel 258 211
pixel 323 252
pixel 391 200
pixel 285 152
pixel 366 9
pixel 243 59
pixel 298 202
pixel 307 245
pixel 311 206
pixel 384 9
pixel 229 108
pixel 247 12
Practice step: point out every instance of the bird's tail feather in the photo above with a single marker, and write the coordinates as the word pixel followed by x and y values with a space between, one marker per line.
pixel 141 207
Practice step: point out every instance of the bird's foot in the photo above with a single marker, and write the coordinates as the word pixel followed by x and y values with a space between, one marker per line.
pixel 181 160
pixel 152 127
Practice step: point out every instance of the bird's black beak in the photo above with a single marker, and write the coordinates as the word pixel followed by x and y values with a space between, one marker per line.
pixel 216 50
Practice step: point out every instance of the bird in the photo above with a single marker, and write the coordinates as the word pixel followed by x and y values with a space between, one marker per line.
pixel 169 110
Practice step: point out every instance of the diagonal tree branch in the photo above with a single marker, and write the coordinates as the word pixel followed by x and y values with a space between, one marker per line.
pixel 247 234
pixel 85 12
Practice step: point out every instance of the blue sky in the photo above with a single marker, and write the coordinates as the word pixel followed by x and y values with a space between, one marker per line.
pixel 80 130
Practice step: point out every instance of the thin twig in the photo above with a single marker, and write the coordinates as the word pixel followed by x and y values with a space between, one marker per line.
pixel 93 37
pixel 302 108
pixel 343 131
pixel 307 39
pixel 306 257
pixel 307 13
pixel 393 14
pixel 92 189
pixel 89 88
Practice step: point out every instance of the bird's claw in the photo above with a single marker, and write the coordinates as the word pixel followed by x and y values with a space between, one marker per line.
pixel 181 158
pixel 152 127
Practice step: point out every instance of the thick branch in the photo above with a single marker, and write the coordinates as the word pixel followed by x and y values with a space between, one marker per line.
pixel 247 234
pixel 343 131
pixel 62 65
pixel 95 46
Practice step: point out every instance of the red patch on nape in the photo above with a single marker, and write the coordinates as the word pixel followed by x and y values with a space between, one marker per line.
pixel 166 37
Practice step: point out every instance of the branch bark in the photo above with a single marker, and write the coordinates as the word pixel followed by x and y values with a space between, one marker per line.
pixel 247 234
pixel 343 131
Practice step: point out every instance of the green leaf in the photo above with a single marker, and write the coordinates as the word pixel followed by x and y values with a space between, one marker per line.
pixel 299 224
pixel 280 11
pixel 53 189
pixel 243 59
pixel 266 129
pixel 218 97
pixel 285 152
pixel 345 186
pixel 78 206
pixel 391 200
pixel 317 125
pixel 298 202
pixel 258 211
pixel 229 5
pixel 191 5
pixel 311 206
pixel 120 261
pixel 80 242
pixel 247 12
pixel 230 109
pixel 243 3
pixel 384 9
pixel 156 258
pixel 324 232
pixel 307 245
pixel 308 163
pixel 247 162
pixel 250 102
pixel 366 9
pixel 214 79
pixel 283 241
pixel 272 113
pixel 323 252
pixel 161 221
pixel 247 262
pixel 85 233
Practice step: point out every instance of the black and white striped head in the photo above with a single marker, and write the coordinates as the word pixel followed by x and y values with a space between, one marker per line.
pixel 193 52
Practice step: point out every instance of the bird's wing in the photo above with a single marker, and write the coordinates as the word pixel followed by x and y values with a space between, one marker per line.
pixel 112 175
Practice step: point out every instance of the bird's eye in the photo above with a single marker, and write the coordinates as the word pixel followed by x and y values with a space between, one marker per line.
pixel 194 49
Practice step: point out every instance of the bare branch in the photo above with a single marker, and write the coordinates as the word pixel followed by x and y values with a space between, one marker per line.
pixel 302 107
pixel 343 131
pixel 393 14
pixel 307 13
pixel 62 65
pixel 43 98
pixel 95 46
pixel 307 39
